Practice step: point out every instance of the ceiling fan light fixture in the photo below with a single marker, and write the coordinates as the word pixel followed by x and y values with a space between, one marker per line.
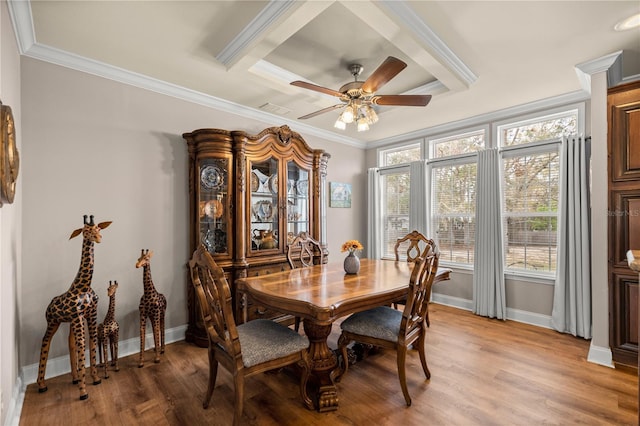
pixel 348 114
pixel 371 114
pixel 363 124
pixel 359 96
pixel 339 124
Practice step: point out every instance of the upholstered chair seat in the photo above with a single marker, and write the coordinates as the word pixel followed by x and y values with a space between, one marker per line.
pixel 381 323
pixel 263 340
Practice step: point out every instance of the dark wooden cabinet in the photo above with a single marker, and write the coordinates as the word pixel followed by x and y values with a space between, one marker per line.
pixel 248 196
pixel 623 103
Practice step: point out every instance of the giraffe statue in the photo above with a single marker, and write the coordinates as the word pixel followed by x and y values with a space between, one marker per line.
pixel 153 306
pixel 108 332
pixel 77 305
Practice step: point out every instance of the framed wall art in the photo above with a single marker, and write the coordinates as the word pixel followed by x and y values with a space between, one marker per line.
pixel 339 194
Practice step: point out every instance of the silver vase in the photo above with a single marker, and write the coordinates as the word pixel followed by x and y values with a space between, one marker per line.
pixel 351 263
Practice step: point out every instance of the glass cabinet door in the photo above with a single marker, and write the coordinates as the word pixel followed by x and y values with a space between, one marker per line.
pixel 298 196
pixel 213 203
pixel 264 206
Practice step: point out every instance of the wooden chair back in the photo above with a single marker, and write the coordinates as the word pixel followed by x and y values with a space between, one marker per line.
pixel 417 245
pixel 416 309
pixel 303 251
pixel 214 298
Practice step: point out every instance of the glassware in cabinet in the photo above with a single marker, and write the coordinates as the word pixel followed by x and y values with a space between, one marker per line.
pixel 264 204
pixel 298 200
pixel 213 204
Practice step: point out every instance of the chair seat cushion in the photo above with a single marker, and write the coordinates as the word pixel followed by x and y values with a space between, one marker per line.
pixel 263 340
pixel 382 322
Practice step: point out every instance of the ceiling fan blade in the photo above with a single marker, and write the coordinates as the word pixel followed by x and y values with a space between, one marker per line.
pixel 401 100
pixel 385 72
pixel 316 88
pixel 322 111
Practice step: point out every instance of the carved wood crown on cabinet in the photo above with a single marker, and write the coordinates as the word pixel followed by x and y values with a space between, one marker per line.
pixel 623 104
pixel 249 195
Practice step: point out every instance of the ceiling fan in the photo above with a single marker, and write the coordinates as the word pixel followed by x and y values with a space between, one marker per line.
pixel 358 96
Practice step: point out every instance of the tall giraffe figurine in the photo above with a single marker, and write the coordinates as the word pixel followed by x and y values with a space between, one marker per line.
pixel 108 332
pixel 153 306
pixel 77 305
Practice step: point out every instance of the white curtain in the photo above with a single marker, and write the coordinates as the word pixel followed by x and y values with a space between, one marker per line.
pixel 572 293
pixel 417 197
pixel 373 216
pixel 488 270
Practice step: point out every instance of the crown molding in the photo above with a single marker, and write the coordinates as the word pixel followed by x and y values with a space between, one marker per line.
pixel 441 52
pixel 22 20
pixel 100 69
pixel 611 64
pixel 258 26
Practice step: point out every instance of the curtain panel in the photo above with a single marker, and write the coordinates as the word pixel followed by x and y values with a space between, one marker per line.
pixel 373 216
pixel 418 203
pixel 488 269
pixel 572 292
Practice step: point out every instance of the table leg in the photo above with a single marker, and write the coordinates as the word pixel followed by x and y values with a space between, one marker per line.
pixel 323 363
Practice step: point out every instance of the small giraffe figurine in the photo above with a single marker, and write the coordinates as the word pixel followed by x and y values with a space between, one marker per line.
pixel 153 306
pixel 108 332
pixel 78 304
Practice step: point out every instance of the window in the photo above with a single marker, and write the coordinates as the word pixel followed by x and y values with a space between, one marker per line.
pixel 530 212
pixel 453 194
pixel 453 209
pixel 395 185
pixel 401 155
pixel 539 129
pixel 531 163
pixel 457 144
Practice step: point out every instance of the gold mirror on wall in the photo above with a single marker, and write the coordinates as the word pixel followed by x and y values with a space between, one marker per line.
pixel 9 158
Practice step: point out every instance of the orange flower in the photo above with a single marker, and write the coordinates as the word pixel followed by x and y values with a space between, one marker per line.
pixel 351 246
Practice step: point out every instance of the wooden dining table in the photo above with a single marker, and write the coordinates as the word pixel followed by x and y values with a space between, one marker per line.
pixel 323 293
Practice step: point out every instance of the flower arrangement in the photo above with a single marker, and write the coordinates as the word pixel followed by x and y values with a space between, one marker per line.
pixel 352 246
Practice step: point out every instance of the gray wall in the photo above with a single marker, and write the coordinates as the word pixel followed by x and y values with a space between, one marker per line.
pixel 95 146
pixel 10 226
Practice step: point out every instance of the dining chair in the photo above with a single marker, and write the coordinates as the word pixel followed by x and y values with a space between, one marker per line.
pixel 390 328
pixel 417 245
pixel 301 253
pixel 303 250
pixel 246 349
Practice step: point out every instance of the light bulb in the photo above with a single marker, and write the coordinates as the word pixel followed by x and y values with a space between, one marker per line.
pixel 347 115
pixel 363 125
pixel 371 113
pixel 339 124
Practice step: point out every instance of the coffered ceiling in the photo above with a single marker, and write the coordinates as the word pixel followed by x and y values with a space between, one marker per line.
pixel 473 57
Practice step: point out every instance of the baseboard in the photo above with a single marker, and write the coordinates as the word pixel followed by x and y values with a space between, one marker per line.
pixel 600 355
pixel 61 365
pixel 455 302
pixel 15 405
pixel 512 314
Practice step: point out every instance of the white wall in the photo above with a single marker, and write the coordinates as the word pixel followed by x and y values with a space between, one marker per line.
pixel 95 146
pixel 10 228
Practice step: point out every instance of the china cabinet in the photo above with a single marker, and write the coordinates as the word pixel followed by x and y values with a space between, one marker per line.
pixel 249 195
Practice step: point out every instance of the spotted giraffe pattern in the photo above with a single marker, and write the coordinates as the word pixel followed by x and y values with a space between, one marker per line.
pixel 75 306
pixel 108 332
pixel 152 306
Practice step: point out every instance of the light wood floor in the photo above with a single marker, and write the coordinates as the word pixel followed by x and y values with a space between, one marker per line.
pixel 483 372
